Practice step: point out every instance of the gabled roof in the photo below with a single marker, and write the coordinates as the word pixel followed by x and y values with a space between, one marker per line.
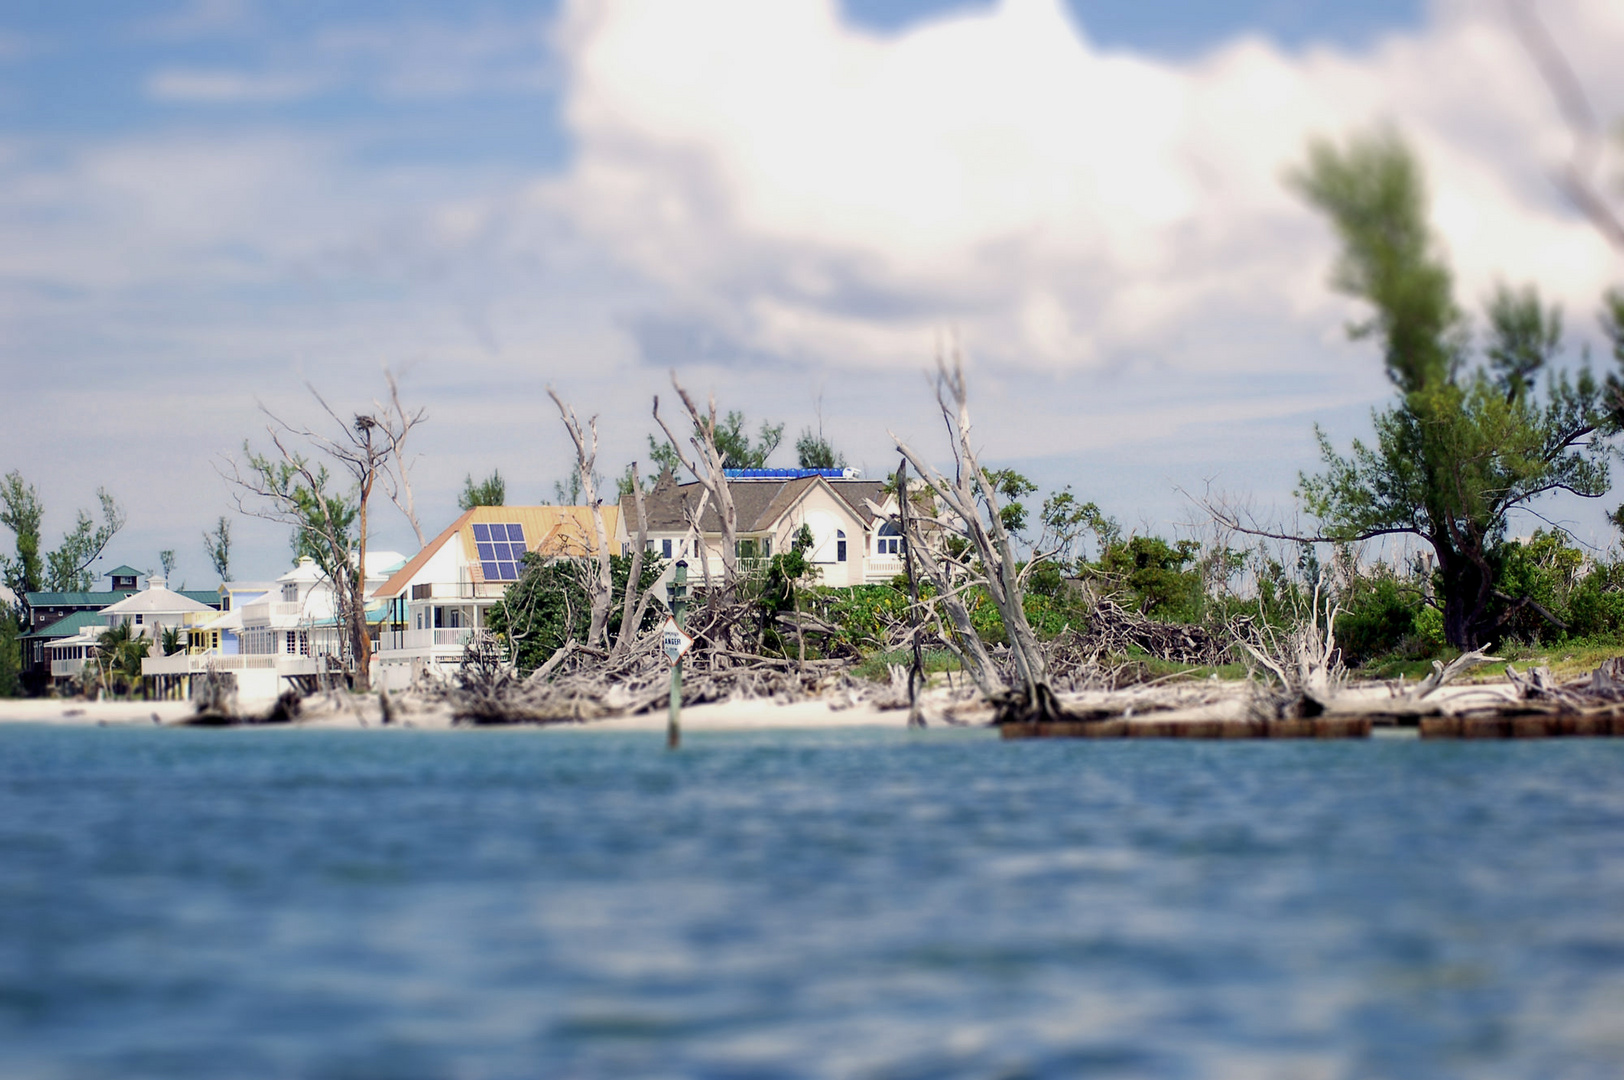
pixel 403 576
pixel 156 601
pixel 758 504
pixel 550 531
pixel 68 625
pixel 123 571
pixel 75 599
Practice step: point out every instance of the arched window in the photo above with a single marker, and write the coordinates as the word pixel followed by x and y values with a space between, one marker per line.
pixel 840 545
pixel 889 540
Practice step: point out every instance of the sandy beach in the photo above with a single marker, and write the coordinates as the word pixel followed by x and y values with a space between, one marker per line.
pixel 355 713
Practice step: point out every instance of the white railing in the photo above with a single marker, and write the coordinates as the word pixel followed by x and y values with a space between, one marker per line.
pixel 67 669
pixel 266 611
pixel 181 664
pixel 458 636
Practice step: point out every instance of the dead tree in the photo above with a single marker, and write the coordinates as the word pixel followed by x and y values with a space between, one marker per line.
pixel 331 526
pixel 1578 178
pixel 991 564
pixel 397 424
pixel 600 590
pixel 703 440
pixel 632 608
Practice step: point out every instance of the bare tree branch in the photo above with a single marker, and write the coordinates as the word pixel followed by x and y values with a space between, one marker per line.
pixel 599 589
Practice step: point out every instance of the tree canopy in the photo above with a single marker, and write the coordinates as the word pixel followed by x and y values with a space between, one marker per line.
pixel 1462 447
pixel 67 568
pixel 491 491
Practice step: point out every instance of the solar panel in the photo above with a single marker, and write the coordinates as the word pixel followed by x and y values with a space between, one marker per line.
pixel 501 550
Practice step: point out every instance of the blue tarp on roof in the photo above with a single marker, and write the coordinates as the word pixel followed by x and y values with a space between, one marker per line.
pixel 785 474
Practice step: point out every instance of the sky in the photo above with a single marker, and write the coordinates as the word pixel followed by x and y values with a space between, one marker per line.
pixel 206 205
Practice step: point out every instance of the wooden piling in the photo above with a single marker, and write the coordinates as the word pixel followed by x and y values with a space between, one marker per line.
pixel 1150 727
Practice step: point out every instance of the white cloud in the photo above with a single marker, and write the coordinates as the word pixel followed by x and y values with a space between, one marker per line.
pixel 807 189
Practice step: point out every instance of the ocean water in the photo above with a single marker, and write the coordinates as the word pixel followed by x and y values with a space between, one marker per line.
pixel 857 903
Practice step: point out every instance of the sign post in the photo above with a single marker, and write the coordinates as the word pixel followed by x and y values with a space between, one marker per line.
pixel 675 642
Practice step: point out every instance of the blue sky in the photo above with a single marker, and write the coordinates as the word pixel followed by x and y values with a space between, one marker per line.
pixel 203 204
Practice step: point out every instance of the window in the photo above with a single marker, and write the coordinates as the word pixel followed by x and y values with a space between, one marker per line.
pixel 501 549
pixel 420 620
pixel 665 548
pixel 889 542
pixel 290 593
pixel 422 592
pixel 138 620
pixel 766 547
pixel 840 545
pixel 291 646
pixel 304 643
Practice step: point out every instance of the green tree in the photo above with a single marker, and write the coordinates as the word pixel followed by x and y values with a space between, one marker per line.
pixel 1461 448
pixel 11 656
pixel 549 604
pixel 218 546
pixel 20 512
pixel 67 568
pixel 1013 487
pixel 491 491
pixel 119 654
pixel 732 442
pixel 813 451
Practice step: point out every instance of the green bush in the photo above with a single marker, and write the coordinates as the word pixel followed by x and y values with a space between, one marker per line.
pixel 1378 618
pixel 548 605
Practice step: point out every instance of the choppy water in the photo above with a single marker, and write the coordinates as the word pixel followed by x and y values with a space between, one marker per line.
pixel 793 904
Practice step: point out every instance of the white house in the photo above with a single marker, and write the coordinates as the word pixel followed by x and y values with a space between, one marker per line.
pixel 150 612
pixel 279 634
pixel 853 541
pixel 440 598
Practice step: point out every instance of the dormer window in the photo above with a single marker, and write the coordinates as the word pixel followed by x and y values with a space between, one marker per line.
pixel 290 593
pixel 889 541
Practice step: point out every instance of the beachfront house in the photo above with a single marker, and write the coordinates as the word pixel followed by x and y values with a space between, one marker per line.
pixel 440 598
pixel 64 626
pixel 853 542
pixel 275 636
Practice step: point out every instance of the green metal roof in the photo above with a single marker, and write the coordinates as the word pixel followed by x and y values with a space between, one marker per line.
pixel 75 599
pixel 123 571
pixel 202 596
pixel 68 625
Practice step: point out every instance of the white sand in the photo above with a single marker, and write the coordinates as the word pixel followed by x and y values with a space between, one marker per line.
pixel 353 713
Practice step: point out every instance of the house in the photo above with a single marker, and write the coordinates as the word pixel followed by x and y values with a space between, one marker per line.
pixel 275 635
pixel 150 612
pixel 853 541
pixel 440 598
pixel 56 616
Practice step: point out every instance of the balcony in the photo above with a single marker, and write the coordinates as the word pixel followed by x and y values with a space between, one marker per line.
pixel 198 663
pixel 281 612
pixel 445 638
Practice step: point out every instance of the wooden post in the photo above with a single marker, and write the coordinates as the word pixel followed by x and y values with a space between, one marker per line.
pixel 678 591
pixel 916 674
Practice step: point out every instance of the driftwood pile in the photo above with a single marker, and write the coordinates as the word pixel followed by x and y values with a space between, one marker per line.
pixel 1113 630
pixel 582 683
